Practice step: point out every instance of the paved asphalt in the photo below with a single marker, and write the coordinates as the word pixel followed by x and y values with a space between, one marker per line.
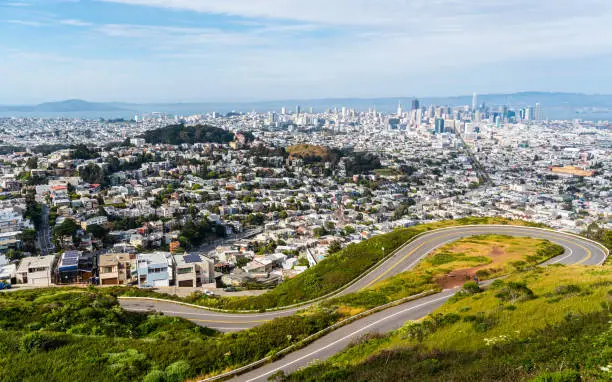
pixel 577 251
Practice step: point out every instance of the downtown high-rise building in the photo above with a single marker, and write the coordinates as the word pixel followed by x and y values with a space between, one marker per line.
pixel 416 104
pixel 474 102
pixel 538 116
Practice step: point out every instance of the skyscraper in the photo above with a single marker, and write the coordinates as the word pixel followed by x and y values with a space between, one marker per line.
pixel 399 108
pixel 298 109
pixel 439 129
pixel 528 114
pixel 538 112
pixel 474 102
pixel 416 104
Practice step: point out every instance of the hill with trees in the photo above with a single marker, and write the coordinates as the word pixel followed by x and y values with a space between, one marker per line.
pixel 179 134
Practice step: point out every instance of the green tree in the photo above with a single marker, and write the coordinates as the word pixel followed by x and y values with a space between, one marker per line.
pixel 29 237
pixel 97 231
pixel 32 163
pixel 68 228
pixel 92 173
pixel 334 247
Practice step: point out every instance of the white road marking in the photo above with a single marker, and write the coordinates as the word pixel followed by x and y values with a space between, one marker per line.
pixel 350 335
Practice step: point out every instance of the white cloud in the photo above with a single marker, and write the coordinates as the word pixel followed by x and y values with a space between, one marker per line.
pixel 317 48
pixel 75 23
pixel 29 23
pixel 394 13
pixel 18 4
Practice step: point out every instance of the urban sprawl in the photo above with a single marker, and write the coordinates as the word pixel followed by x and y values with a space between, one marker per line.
pixel 246 200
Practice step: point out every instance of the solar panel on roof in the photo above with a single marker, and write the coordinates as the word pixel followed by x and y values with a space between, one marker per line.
pixel 191 258
pixel 70 261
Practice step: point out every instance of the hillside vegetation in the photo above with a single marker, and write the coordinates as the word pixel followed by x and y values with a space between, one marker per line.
pixel 179 134
pixel 547 324
pixel 60 334
pixel 312 153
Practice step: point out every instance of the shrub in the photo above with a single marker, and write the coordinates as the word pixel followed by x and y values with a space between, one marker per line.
pixel 39 341
pixel 559 376
pixel 177 372
pixel 482 273
pixel 567 289
pixel 514 292
pixel 155 376
pixel 471 287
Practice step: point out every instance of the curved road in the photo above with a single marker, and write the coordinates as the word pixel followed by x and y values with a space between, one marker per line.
pixel 577 251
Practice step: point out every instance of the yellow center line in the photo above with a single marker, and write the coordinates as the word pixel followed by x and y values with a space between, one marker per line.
pixel 588 251
pixel 589 254
pixel 226 322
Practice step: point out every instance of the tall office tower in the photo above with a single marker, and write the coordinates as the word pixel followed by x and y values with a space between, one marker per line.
pixel 283 110
pixel 528 114
pixel 399 108
pixel 538 112
pixel 474 102
pixel 419 117
pixel 298 109
pixel 439 126
pixel 416 104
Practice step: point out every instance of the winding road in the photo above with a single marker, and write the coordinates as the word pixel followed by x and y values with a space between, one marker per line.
pixel 578 250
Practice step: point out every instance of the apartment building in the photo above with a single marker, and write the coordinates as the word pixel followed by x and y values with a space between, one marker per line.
pixel 115 268
pixel 36 270
pixel 194 270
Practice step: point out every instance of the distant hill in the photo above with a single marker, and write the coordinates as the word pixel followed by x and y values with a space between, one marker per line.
pixel 73 105
pixel 555 105
pixel 311 153
pixel 179 134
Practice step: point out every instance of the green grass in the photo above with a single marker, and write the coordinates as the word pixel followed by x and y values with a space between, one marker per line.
pixel 445 260
pixel 75 334
pixel 562 331
pixel 332 273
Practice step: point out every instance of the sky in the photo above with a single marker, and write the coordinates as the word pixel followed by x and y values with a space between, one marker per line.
pixel 251 50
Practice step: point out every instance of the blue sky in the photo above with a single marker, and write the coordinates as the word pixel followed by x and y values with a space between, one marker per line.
pixel 244 50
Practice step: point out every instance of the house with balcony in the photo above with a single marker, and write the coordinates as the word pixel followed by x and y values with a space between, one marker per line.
pixel 155 269
pixel 194 270
pixel 115 268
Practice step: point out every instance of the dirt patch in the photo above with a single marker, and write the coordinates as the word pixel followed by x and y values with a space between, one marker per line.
pixel 455 278
pixel 496 252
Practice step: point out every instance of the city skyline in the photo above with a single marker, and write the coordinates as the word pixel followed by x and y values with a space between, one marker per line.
pixel 188 51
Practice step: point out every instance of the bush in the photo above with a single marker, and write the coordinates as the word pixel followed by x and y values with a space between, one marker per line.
pixel 471 287
pixel 155 376
pixel 567 289
pixel 177 372
pixel 560 376
pixel 39 341
pixel 482 273
pixel 515 292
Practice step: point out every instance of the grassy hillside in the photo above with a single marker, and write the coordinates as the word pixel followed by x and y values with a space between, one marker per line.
pixel 547 324
pixel 334 272
pixel 47 334
pixel 311 153
pixel 498 255
pixel 60 334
